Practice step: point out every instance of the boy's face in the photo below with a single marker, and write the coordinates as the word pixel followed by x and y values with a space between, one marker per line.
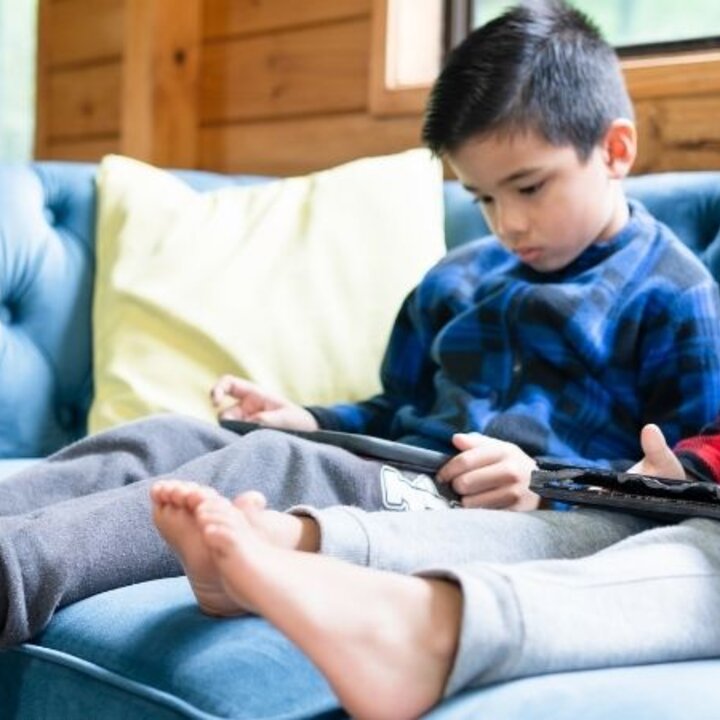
pixel 544 203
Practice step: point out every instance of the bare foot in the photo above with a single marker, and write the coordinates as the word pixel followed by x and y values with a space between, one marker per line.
pixel 291 532
pixel 384 641
pixel 174 505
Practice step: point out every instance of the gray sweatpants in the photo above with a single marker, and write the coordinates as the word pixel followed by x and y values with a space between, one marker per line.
pixel 80 523
pixel 539 593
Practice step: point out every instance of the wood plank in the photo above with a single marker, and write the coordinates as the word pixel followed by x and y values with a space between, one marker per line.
pixel 648 139
pixel 690 120
pixel 81 150
pixel 680 133
pixel 160 79
pixel 695 73
pixel 84 30
pixel 313 70
pixel 84 101
pixel 298 146
pixel 680 158
pixel 223 18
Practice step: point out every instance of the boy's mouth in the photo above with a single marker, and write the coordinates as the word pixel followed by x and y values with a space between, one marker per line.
pixel 528 255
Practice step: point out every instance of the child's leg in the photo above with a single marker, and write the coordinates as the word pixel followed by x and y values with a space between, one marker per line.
pixel 63 551
pixel 115 458
pixel 651 598
pixel 385 641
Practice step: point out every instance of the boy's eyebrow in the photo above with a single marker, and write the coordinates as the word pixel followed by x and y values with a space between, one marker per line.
pixel 519 175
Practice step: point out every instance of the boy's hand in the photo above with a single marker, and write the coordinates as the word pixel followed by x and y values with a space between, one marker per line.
pixel 659 458
pixel 254 404
pixel 490 473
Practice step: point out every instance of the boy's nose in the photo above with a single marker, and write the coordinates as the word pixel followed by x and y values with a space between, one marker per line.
pixel 510 223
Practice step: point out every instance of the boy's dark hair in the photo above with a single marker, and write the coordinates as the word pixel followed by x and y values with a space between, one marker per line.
pixel 541 67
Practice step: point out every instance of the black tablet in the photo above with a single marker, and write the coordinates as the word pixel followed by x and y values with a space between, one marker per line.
pixel 658 497
pixel 399 454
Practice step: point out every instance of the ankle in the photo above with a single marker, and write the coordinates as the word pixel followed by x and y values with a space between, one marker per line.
pixel 291 532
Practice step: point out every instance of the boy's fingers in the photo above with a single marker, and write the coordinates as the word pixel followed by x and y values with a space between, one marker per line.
pixel 659 458
pixel 654 445
pixel 476 451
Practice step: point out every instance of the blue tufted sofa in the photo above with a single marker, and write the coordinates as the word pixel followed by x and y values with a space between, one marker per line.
pixel 144 651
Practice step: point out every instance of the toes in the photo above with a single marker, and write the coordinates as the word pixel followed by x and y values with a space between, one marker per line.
pixel 250 500
pixel 220 538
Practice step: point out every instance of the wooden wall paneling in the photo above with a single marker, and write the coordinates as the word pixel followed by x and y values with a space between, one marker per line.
pixel 162 43
pixel 223 18
pixel 691 121
pixel 42 105
pixel 312 70
pixel 695 73
pixel 678 133
pixel 649 141
pixel 302 145
pixel 689 132
pixel 85 101
pixel 84 30
pixel 82 149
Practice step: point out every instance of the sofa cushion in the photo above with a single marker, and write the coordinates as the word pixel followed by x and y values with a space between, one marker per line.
pixel 293 284
pixel 147 651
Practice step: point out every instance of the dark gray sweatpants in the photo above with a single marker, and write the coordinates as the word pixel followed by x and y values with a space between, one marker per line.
pixel 80 522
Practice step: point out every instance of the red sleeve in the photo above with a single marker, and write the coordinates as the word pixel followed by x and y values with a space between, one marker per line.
pixel 700 455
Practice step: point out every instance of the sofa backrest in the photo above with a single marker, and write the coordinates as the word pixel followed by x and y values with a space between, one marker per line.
pixel 47 228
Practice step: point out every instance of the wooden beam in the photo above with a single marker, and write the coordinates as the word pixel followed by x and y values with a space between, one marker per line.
pixel 159 98
pixel 233 18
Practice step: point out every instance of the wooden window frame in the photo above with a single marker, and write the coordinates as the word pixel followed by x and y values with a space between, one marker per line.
pixel 384 100
pixel 668 75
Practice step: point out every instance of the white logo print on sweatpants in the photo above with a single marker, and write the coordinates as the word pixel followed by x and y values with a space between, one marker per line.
pixel 406 493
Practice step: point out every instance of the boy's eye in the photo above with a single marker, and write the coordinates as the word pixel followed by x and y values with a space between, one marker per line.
pixel 482 200
pixel 530 189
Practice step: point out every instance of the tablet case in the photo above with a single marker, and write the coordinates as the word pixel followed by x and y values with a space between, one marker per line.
pixel 660 498
pixel 401 455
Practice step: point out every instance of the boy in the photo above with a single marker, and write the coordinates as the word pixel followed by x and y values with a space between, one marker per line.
pixel 551 341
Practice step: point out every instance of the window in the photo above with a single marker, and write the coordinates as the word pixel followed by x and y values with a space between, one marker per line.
pixel 18 30
pixel 637 26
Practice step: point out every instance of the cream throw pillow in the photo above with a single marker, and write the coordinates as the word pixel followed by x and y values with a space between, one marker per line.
pixel 293 284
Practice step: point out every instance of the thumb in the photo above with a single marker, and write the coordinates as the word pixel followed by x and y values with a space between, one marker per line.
pixel 659 458
pixel 654 445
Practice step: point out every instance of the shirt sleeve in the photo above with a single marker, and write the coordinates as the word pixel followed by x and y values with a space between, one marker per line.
pixel 680 377
pixel 700 455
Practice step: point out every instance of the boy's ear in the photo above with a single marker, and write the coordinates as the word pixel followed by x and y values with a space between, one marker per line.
pixel 620 147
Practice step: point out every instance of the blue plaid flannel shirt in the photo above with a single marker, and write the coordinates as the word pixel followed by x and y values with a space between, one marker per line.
pixel 568 365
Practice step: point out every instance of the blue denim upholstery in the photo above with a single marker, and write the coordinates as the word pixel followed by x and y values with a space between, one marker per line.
pixel 145 651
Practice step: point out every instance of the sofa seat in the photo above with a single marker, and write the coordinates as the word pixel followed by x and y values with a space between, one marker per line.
pixel 146 651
